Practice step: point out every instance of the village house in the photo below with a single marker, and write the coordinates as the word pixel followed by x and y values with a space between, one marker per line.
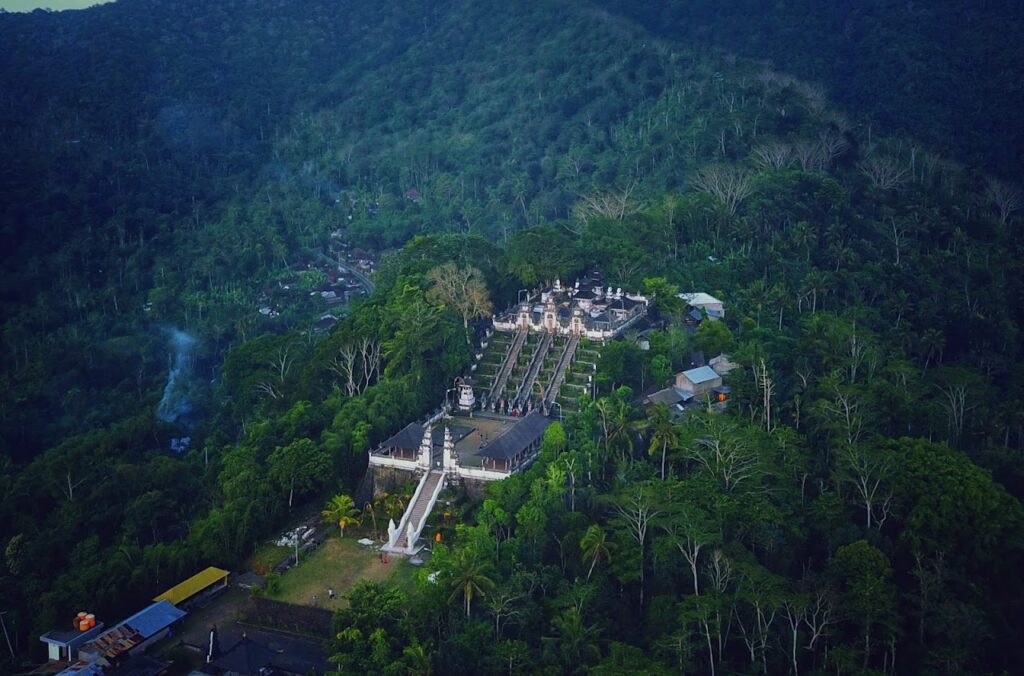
pixel 698 304
pixel 121 649
pixel 703 383
pixel 698 382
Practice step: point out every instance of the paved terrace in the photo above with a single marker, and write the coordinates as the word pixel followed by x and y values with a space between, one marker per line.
pixel 482 430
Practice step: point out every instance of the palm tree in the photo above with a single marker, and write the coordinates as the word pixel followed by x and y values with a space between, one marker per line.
pixel 616 423
pixel 594 547
pixel 933 342
pixel 342 511
pixel 393 504
pixel 417 660
pixel 804 237
pixel 469 578
pixel 369 511
pixel 757 295
pixel 576 641
pixel 664 432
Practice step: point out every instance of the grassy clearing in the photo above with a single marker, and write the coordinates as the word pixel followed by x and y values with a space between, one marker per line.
pixel 339 564
pixel 266 557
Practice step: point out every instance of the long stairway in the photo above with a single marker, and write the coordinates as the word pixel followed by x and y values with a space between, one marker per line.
pixel 536 362
pixel 555 384
pixel 417 511
pixel 506 367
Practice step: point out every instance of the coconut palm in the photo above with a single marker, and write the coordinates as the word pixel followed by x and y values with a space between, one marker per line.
pixel 933 342
pixel 416 660
pixel 342 511
pixel 616 424
pixel 576 641
pixel 664 432
pixel 469 578
pixel 594 547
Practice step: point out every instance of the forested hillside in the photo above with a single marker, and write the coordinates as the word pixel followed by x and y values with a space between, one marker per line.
pixel 944 72
pixel 856 509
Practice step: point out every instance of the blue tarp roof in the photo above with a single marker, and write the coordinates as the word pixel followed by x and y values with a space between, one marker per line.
pixel 155 617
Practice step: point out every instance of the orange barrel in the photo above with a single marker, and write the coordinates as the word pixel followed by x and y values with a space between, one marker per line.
pixel 91 619
pixel 83 625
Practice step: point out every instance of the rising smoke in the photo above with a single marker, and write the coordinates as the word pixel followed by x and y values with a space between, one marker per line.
pixel 175 402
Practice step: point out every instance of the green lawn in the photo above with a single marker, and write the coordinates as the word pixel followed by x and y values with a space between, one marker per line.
pixel 339 564
pixel 266 557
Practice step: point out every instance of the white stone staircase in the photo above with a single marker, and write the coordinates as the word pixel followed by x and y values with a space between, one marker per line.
pixel 555 384
pixel 402 539
pixel 536 363
pixel 506 367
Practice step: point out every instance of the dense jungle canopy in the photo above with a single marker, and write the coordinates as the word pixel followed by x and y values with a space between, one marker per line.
pixel 845 178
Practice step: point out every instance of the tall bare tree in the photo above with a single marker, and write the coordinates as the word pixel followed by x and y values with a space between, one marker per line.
pixel 776 155
pixel 1005 197
pixel 885 173
pixel 832 145
pixel 868 471
pixel 636 511
pixel 809 155
pixel 729 185
pixel 767 387
pixel 344 365
pixel 724 455
pixel 369 354
pixel 615 204
pixel 463 289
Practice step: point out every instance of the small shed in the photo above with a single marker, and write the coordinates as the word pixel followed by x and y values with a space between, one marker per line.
pixel 63 644
pixel 722 364
pixel 668 396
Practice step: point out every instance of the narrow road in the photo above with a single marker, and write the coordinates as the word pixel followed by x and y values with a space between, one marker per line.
pixel 363 280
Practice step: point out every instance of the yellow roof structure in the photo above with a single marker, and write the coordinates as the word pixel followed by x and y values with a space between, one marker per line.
pixel 193 585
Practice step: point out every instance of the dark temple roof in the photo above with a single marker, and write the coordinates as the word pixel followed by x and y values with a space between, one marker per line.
pixel 523 434
pixel 411 436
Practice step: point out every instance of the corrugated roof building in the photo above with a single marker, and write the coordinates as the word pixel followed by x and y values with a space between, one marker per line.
pixel 698 381
pixel 132 636
pixel 199 582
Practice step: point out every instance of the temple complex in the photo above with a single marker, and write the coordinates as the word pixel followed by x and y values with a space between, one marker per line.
pixel 537 360
pixel 586 309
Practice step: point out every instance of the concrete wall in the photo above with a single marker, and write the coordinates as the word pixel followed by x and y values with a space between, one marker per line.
pixel 389 479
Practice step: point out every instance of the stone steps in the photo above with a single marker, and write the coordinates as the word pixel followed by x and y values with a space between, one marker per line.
pixel 418 510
